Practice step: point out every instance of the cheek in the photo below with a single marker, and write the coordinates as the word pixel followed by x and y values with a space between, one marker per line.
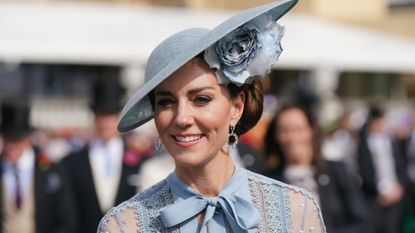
pixel 13 149
pixel 282 138
pixel 306 136
pixel 217 118
pixel 162 120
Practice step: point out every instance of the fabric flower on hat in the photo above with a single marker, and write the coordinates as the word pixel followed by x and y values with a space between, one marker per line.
pixel 247 52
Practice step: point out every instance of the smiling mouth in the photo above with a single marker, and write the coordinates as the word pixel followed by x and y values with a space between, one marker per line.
pixel 192 138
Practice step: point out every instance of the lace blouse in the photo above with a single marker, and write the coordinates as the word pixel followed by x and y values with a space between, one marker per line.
pixel 279 207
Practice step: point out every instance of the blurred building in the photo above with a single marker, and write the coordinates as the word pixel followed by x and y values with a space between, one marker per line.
pixel 347 51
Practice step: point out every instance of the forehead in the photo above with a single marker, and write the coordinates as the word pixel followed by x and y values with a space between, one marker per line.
pixel 292 116
pixel 195 73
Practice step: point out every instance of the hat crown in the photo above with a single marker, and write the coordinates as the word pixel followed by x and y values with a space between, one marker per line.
pixel 171 48
pixel 15 119
pixel 107 95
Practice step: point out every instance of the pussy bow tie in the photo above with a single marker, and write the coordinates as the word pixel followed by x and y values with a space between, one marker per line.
pixel 241 216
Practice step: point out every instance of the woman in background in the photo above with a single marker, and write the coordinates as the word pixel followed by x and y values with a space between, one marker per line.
pixel 292 146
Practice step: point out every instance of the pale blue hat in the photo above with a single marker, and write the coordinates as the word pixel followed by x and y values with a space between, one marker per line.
pixel 177 50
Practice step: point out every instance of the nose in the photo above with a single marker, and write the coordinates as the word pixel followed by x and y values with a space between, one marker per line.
pixel 184 116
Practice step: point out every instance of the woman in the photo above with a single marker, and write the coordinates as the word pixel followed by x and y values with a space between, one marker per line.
pixel 202 91
pixel 293 145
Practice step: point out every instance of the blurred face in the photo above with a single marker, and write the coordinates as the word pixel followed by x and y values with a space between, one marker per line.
pixel 378 125
pixel 295 136
pixel 106 125
pixel 13 149
pixel 193 114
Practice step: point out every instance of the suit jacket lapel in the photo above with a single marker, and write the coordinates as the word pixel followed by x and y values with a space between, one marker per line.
pixel 86 168
pixel 126 171
pixel 37 186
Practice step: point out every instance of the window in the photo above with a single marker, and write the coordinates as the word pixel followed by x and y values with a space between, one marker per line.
pixel 398 3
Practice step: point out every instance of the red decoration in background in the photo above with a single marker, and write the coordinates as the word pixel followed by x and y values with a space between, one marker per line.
pixel 43 161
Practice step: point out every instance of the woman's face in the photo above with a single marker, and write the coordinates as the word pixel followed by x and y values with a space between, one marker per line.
pixel 193 113
pixel 295 136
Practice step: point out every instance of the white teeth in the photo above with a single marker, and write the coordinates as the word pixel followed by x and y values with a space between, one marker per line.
pixel 187 138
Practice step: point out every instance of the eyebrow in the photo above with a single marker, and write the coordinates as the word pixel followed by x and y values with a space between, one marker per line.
pixel 191 92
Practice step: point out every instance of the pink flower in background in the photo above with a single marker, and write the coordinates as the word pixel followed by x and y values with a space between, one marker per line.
pixel 131 158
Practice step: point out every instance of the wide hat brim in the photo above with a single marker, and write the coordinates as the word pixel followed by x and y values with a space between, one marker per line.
pixel 138 109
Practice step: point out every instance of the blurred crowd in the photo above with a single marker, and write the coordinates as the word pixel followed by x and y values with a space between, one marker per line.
pixel 54 181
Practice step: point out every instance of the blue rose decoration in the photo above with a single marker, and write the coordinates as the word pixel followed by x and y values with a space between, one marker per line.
pixel 238 49
pixel 247 52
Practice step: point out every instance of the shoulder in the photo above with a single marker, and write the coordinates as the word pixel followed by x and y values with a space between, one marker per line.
pixel 275 184
pixel 296 206
pixel 138 210
pixel 337 172
pixel 50 176
pixel 333 167
pixel 44 164
pixel 76 158
pixel 76 155
pixel 148 198
pixel 279 189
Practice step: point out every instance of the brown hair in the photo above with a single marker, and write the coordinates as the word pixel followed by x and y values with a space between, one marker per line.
pixel 253 105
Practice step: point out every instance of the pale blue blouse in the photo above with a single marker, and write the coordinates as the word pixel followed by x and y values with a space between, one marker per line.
pixel 248 203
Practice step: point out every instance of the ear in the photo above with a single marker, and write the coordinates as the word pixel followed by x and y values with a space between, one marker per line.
pixel 238 105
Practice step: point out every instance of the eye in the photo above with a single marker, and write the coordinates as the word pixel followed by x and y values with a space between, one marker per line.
pixel 202 100
pixel 165 102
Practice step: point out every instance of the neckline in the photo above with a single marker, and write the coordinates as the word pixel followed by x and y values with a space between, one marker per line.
pixel 236 185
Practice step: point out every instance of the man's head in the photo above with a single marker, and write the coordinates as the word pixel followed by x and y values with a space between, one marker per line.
pixel 15 128
pixel 106 105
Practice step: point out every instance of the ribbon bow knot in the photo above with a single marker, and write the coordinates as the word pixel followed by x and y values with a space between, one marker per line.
pixel 239 213
pixel 212 201
pixel 231 211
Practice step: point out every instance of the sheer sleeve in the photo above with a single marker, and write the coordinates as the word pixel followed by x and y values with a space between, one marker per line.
pixel 306 215
pixel 119 221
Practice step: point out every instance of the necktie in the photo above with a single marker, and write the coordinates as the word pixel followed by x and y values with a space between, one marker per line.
pixel 18 192
pixel 231 209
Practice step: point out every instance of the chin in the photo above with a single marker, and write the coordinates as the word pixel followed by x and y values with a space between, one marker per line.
pixel 189 159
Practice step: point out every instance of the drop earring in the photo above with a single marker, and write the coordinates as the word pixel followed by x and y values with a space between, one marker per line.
pixel 232 138
pixel 158 145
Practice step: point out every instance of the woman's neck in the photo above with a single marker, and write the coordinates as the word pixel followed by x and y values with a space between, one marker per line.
pixel 208 179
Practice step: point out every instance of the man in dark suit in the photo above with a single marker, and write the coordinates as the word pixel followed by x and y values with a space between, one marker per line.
pixel 382 171
pixel 103 173
pixel 33 194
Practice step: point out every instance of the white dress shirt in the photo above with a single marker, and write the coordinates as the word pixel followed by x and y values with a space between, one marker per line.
pixel 106 162
pixel 25 168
